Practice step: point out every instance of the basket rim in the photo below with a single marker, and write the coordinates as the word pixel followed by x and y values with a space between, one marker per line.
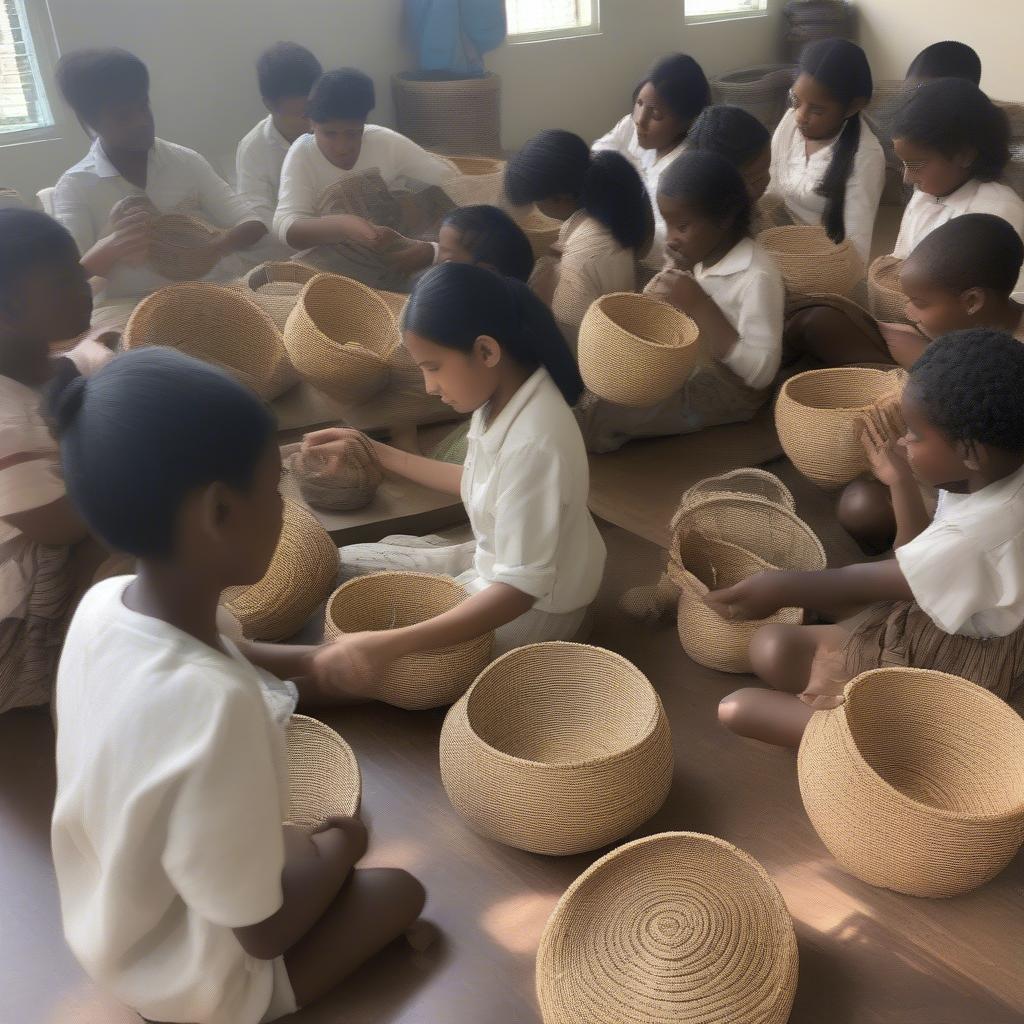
pixel 322 280
pixel 768 235
pixel 831 371
pixel 690 333
pixel 789 500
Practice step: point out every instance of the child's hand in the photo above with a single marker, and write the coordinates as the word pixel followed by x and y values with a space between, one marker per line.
pixel 682 290
pixel 352 665
pixel 409 255
pixel 880 434
pixel 128 243
pixel 753 598
pixel 335 444
pixel 355 229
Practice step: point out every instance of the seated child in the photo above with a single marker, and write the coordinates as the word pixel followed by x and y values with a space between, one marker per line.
pixel 487 345
pixel 109 92
pixel 732 290
pixel 607 225
pixel 951 599
pixel 488 237
pixel 948 59
pixel 181 891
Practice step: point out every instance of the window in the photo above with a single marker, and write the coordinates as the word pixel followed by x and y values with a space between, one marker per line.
pixel 696 11
pixel 23 104
pixel 551 19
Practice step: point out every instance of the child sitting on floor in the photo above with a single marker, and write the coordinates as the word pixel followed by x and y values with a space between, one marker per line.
pixel 181 891
pixel 951 599
pixel 488 237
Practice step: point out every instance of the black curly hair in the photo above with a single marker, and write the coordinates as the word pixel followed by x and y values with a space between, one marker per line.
pixel 970 385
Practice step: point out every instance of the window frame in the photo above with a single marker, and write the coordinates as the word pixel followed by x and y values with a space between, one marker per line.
pixel 39 25
pixel 742 15
pixel 593 28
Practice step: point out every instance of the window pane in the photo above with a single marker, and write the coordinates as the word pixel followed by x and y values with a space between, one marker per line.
pixel 709 8
pixel 527 16
pixel 23 102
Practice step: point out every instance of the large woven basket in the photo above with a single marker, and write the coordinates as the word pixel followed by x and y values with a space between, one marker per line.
pixel 886 300
pixel 300 576
pixel 323 776
pixel 916 782
pixel 810 262
pixel 675 928
pixel 817 416
pixel 179 246
pixel 557 748
pixel 762 90
pixel 387 600
pixel 541 230
pixel 335 484
pixel 340 337
pixel 454 115
pixel 218 325
pixel 635 350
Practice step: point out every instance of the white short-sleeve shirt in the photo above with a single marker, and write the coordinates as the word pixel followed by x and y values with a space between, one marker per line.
pixel 795 178
pixel 166 829
pixel 525 485
pixel 258 162
pixel 966 570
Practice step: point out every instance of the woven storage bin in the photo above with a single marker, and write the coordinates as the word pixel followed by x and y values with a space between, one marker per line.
pixel 323 776
pixel 635 350
pixel 386 600
pixel 886 300
pixel 179 246
pixel 300 576
pixel 557 748
pixel 675 928
pixel 334 484
pixel 810 262
pixel 817 416
pixel 541 230
pixel 916 782
pixel 748 482
pixel 762 90
pixel 219 325
pixel 340 337
pixel 454 115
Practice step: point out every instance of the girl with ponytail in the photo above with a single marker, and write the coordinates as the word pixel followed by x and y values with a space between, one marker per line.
pixel 608 224
pixel 827 166
pixel 487 346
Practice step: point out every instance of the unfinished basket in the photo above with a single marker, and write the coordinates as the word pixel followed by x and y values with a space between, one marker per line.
pixel 387 600
pixel 810 262
pixel 557 748
pixel 180 246
pixel 338 485
pixel 675 928
pixel 323 776
pixel 817 416
pixel 762 90
pixel 916 782
pixel 635 350
pixel 340 337
pixel 886 300
pixel 749 482
pixel 300 576
pixel 541 230
pixel 454 115
pixel 219 325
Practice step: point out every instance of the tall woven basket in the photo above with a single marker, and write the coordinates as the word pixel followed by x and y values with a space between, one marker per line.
pixel 916 782
pixel 675 928
pixel 762 90
pixel 810 262
pixel 558 748
pixel 887 302
pixel 449 115
pixel 323 776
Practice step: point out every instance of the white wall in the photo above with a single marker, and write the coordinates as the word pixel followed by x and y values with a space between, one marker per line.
pixel 201 52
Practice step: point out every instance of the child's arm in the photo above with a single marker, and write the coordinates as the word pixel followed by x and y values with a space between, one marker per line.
pixel 307 232
pixel 294 662
pixel 717 334
pixel 905 344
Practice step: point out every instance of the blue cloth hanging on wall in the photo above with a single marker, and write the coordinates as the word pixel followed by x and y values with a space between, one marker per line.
pixel 453 35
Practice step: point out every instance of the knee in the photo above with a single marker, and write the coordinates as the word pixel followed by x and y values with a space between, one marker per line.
pixel 405 892
pixel 734 711
pixel 771 648
pixel 865 512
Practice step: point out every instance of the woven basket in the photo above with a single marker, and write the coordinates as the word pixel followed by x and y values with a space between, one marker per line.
pixel 558 748
pixel 456 116
pixel 395 301
pixel 476 166
pixel 541 230
pixel 179 246
pixel 479 179
pixel 388 600
pixel 817 415
pixel 916 783
pixel 762 90
pixel 276 286
pixel 635 350
pixel 886 300
pixel 341 487
pixel 300 576
pixel 340 337
pixel 323 776
pixel 748 482
pixel 675 928
pixel 219 325
pixel 810 262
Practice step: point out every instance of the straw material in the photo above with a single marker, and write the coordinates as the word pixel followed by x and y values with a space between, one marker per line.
pixel 457 115
pixel 749 482
pixel 477 165
pixel 219 325
pixel 886 299
pixel 810 262
pixel 275 287
pixel 817 416
pixel 323 776
pixel 179 246
pixel 762 90
pixel 335 484
pixel 340 337
pixel 916 783
pixel 635 350
pixel 395 301
pixel 300 576
pixel 389 600
pixel 541 230
pixel 675 928
pixel 558 748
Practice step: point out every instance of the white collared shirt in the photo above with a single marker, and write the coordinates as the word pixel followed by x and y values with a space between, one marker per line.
pixel 795 178
pixel 258 162
pixel 747 287
pixel 525 485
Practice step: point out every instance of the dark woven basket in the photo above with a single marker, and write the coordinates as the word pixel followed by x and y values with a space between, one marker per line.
pixel 762 90
pixel 450 115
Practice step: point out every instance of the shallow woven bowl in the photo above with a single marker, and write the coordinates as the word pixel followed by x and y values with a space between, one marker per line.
pixel 179 246
pixel 300 576
pixel 338 487
pixel 916 783
pixel 635 350
pixel 886 300
pixel 323 776
pixel 748 482
pixel 810 262
pixel 219 325
pixel 817 416
pixel 385 600
pixel 340 336
pixel 675 928
pixel 558 748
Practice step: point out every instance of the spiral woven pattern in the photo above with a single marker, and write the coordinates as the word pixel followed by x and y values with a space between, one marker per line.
pixel 746 482
pixel 301 574
pixel 387 600
pixel 810 262
pixel 675 928
pixel 458 116
pixel 323 776
pixel 817 416
pixel 179 246
pixel 557 748
pixel 916 782
pixel 340 337
pixel 635 350
pixel 886 300
pixel 339 486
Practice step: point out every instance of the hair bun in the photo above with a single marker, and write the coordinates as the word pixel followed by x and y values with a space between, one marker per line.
pixel 65 397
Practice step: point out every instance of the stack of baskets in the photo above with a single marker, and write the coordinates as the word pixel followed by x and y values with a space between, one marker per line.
pixel 460 115
pixel 762 90
pixel 810 262
pixel 887 302
pixel 337 485
pixel 323 776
